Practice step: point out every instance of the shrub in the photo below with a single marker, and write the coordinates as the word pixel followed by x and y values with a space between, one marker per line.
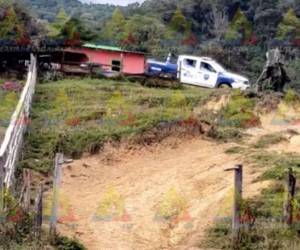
pixel 291 98
pixel 239 112
pixel 270 139
pixel 64 243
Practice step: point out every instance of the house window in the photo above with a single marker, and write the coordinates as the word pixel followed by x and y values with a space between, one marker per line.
pixel 116 65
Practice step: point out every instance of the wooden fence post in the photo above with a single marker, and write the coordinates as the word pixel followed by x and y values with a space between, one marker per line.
pixel 39 213
pixel 237 200
pixel 2 191
pixel 288 206
pixel 25 192
pixel 59 160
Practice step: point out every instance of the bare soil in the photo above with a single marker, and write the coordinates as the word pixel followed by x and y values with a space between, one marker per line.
pixel 113 200
pixel 142 178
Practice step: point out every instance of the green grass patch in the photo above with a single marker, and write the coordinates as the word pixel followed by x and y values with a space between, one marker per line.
pixel 231 121
pixel 79 115
pixel 291 98
pixel 267 232
pixel 8 102
pixel 265 235
pixel 226 134
pixel 239 112
pixel 236 150
pixel 269 140
pixel 277 164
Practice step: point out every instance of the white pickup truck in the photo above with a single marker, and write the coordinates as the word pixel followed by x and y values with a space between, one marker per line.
pixel 205 72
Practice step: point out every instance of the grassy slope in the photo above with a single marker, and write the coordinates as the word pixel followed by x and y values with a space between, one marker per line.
pixel 75 115
pixel 268 231
pixel 8 103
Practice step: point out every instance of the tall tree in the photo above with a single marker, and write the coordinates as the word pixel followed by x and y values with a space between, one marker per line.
pixel 9 24
pixel 239 28
pixel 178 22
pixel 289 28
pixel 115 27
pixel 61 19
pixel 143 33
pixel 75 31
pixel 5 3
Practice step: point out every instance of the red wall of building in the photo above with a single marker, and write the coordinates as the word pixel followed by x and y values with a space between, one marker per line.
pixel 133 63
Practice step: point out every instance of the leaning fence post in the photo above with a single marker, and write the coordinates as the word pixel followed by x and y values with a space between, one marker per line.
pixel 39 213
pixel 237 200
pixel 288 206
pixel 56 183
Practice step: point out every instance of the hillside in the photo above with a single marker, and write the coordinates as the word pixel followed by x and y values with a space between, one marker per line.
pixel 210 28
pixel 151 180
pixel 91 13
pixel 207 19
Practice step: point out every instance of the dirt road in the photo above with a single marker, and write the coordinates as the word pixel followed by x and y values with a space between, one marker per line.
pixel 158 197
pixel 126 203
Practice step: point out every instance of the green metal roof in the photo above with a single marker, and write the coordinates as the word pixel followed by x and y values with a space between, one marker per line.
pixel 104 47
pixel 110 48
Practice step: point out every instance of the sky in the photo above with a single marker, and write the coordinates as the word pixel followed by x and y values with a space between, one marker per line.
pixel 116 2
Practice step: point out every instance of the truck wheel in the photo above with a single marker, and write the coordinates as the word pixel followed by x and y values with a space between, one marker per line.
pixel 224 86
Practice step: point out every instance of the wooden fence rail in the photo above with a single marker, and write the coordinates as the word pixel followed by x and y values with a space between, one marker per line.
pixel 12 143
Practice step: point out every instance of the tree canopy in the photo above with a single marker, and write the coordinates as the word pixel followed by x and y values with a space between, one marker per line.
pixel 290 26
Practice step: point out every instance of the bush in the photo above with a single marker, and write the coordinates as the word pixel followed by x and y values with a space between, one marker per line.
pixel 269 140
pixel 239 112
pixel 226 134
pixel 64 243
pixel 291 98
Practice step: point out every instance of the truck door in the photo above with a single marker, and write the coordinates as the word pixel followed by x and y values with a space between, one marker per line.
pixel 188 70
pixel 207 75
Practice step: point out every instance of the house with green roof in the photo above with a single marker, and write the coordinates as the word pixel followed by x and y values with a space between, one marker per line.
pixel 112 59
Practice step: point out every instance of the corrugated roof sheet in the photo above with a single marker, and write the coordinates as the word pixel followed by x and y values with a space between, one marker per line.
pixel 110 48
pixel 104 47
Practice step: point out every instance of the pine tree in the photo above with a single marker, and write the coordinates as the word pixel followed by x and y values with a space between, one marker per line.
pixel 289 27
pixel 6 3
pixel 118 18
pixel 115 28
pixel 178 22
pixel 9 24
pixel 57 27
pixel 61 19
pixel 239 28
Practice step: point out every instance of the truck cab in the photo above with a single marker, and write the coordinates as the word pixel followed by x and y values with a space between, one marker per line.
pixel 205 72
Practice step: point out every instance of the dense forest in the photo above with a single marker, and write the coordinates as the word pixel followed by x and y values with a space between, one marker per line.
pixel 176 24
pixel 227 30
